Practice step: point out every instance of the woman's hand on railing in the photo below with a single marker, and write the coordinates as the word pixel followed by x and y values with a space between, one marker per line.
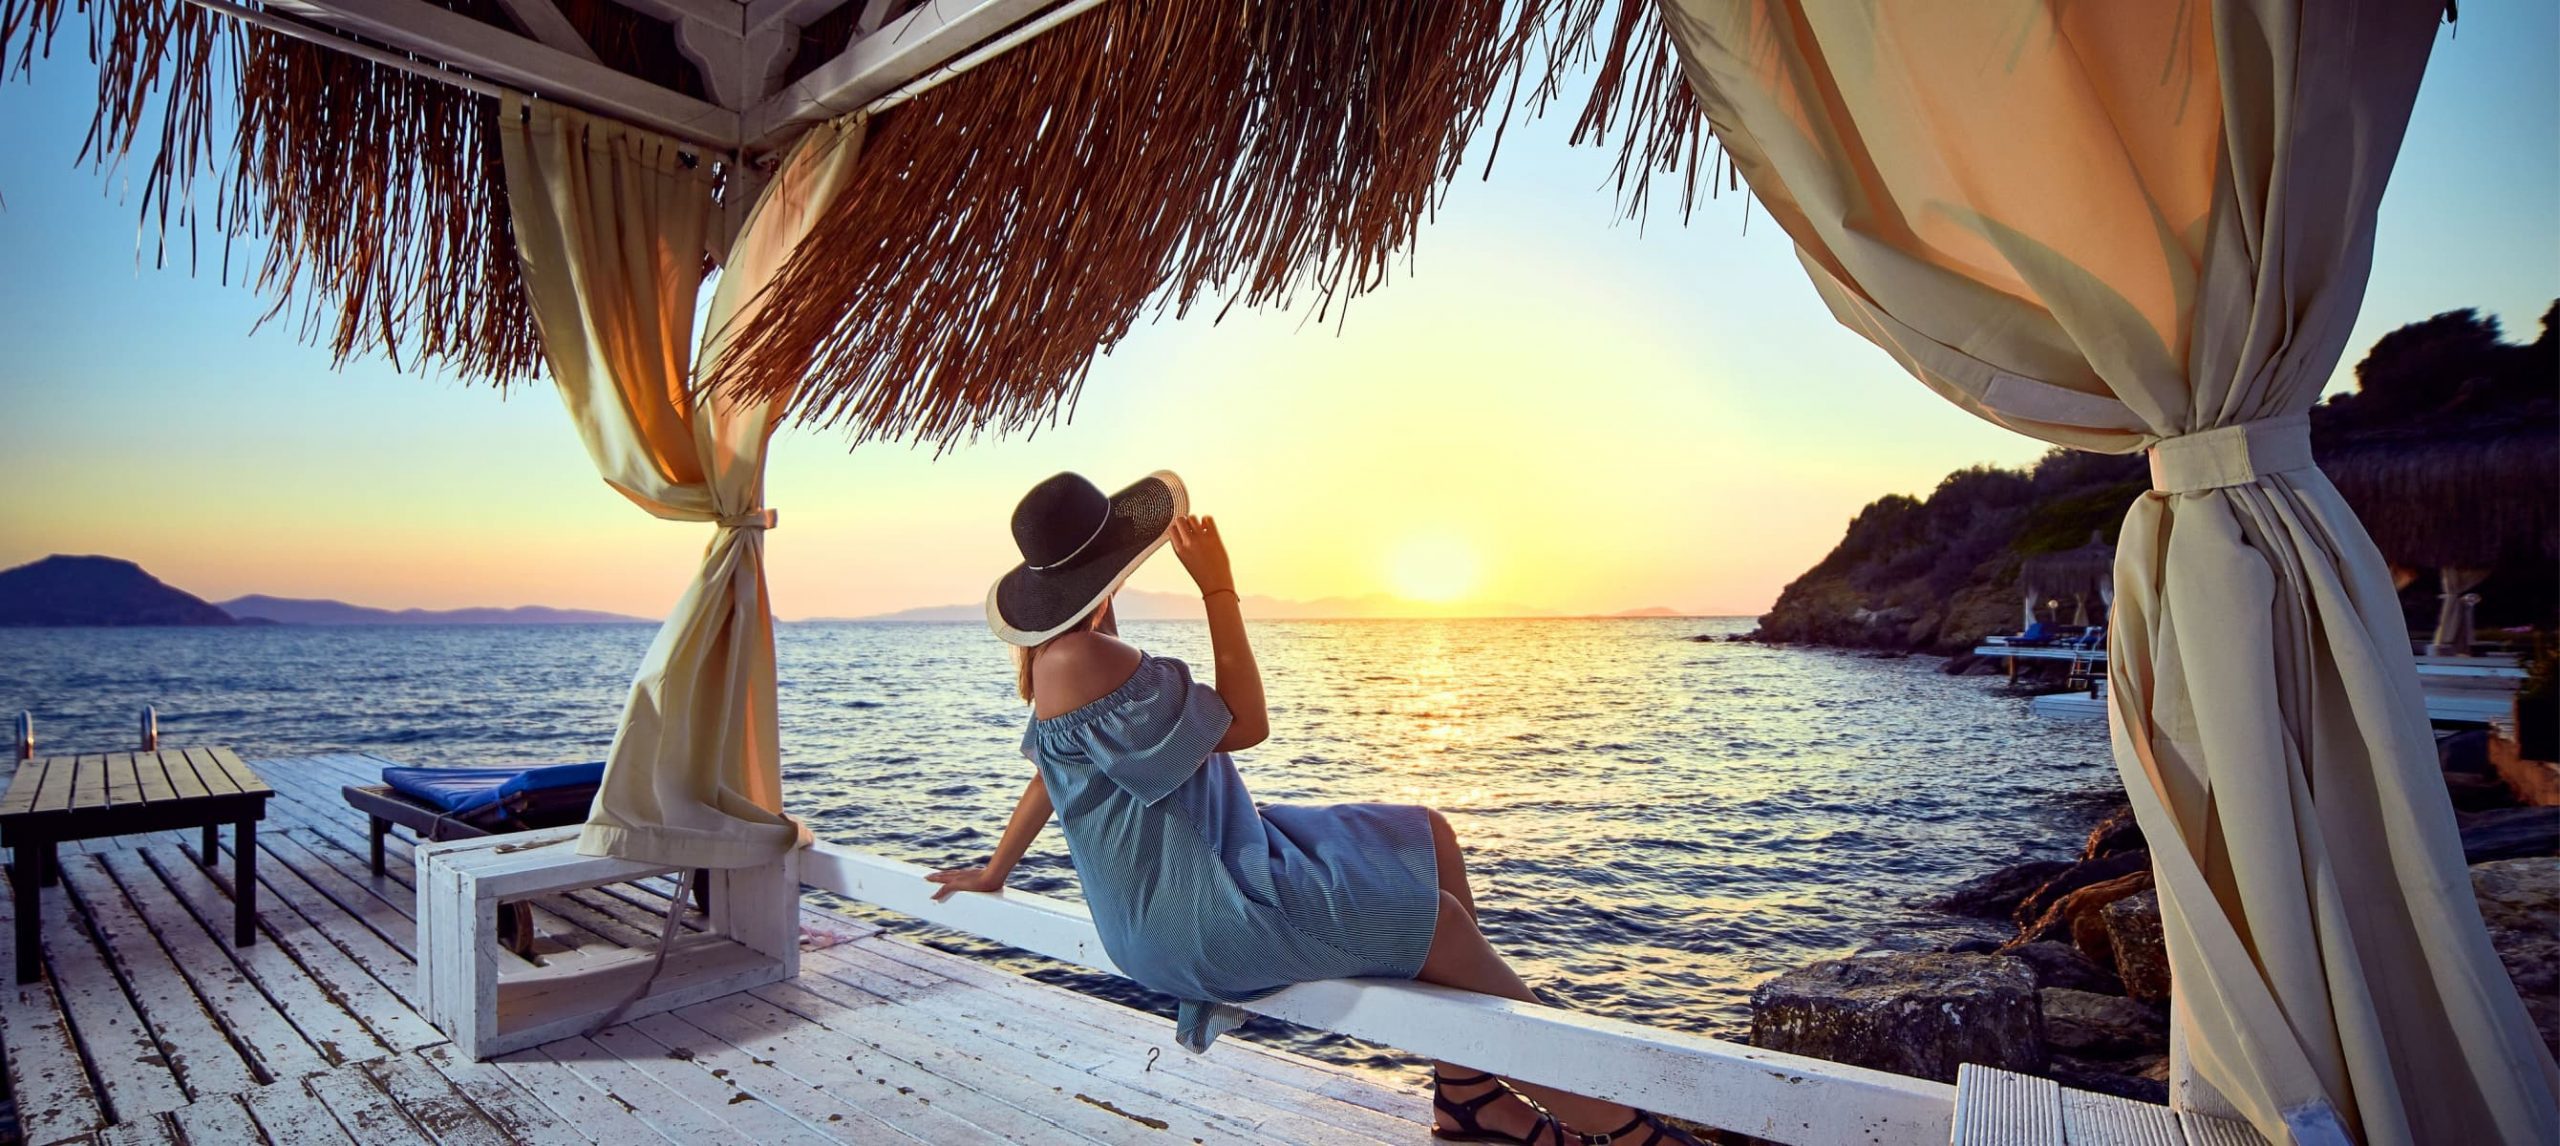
pixel 965 879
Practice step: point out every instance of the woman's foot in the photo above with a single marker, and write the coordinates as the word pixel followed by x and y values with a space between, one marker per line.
pixel 1641 1130
pixel 1478 1108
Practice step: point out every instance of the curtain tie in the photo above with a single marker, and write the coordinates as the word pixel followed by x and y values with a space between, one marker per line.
pixel 2231 455
pixel 752 519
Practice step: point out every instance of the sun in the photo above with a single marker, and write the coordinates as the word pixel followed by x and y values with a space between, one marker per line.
pixel 1435 569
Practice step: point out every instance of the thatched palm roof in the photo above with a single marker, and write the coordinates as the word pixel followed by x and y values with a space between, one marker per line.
pixel 2472 501
pixel 2070 572
pixel 1019 219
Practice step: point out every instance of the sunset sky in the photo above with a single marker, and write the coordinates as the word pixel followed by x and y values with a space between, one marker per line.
pixel 1551 407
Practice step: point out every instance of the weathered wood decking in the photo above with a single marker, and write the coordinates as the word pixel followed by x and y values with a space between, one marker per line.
pixel 150 1027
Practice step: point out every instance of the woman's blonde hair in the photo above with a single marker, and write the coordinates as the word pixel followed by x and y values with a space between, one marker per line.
pixel 1022 657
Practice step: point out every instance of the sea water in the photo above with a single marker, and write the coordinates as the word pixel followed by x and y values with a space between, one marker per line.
pixel 1654 824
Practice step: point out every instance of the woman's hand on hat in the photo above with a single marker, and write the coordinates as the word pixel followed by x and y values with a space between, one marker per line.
pixel 1196 542
pixel 960 879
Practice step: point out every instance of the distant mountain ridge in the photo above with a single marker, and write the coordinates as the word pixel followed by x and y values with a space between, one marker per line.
pixel 317 611
pixel 65 590
pixel 1149 605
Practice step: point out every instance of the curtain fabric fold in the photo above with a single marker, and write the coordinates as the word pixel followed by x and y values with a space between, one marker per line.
pixel 611 225
pixel 2128 227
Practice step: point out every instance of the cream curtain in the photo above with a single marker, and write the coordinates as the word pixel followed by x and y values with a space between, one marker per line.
pixel 2148 226
pixel 2453 634
pixel 612 224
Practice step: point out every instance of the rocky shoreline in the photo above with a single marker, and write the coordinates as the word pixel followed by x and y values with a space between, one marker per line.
pixel 2056 967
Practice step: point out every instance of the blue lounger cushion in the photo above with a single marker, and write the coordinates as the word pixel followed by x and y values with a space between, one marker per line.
pixel 462 791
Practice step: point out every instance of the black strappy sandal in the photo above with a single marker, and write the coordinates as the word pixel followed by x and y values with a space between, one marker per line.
pixel 1464 1113
pixel 1656 1133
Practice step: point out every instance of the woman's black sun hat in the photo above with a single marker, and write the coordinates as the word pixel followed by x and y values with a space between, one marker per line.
pixel 1077 547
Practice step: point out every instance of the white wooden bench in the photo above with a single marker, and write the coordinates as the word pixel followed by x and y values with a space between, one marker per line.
pixel 2004 1108
pixel 491 1005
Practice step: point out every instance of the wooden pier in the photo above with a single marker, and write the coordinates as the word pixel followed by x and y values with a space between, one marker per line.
pixel 149 1026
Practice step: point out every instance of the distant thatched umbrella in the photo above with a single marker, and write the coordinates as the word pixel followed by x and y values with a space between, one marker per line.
pixel 2455 502
pixel 2460 506
pixel 2087 570
pixel 1014 222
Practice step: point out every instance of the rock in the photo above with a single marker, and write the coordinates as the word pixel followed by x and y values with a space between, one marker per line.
pixel 2141 957
pixel 2062 965
pixel 2090 1025
pixel 1934 933
pixel 2509 833
pixel 2075 877
pixel 1914 1014
pixel 2075 916
pixel 2464 752
pixel 2519 900
pixel 2132 1078
pixel 2116 833
pixel 1996 895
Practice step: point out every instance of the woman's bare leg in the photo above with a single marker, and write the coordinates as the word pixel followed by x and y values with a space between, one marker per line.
pixel 1460 957
pixel 1453 862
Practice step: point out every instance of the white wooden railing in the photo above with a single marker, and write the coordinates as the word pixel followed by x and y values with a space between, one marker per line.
pixel 1767 1094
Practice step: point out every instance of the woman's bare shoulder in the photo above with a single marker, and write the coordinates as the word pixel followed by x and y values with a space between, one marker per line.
pixel 1077 669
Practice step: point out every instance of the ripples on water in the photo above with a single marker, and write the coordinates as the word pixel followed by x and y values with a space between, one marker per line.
pixel 1654 825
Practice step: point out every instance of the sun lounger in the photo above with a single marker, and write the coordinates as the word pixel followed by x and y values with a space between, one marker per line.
pixel 438 804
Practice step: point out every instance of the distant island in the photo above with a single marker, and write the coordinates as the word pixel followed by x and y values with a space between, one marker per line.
pixel 311 611
pixel 65 591
pixel 62 590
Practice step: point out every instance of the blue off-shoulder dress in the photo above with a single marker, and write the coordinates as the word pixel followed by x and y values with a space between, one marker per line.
pixel 1199 894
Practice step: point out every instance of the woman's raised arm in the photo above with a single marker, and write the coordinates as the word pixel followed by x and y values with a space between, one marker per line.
pixel 1239 679
pixel 1030 814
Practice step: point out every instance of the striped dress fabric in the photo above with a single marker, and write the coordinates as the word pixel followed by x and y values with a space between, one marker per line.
pixel 1201 895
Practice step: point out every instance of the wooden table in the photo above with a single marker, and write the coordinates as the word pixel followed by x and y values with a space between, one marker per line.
pixel 56 799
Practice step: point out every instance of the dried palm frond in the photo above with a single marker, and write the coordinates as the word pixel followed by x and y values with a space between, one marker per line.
pixel 1016 222
pixel 1012 224
pixel 2468 502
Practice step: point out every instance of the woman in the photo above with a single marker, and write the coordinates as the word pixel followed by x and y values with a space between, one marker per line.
pixel 1196 892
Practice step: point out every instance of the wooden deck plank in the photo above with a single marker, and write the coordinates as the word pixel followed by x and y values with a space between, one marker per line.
pixel 2090 1119
pixel 387 923
pixel 947 1013
pixel 1114 1041
pixel 362 1107
pixel 182 775
pixel 796 1017
pixel 744 1115
pixel 254 1022
pixel 46 1074
pixel 89 783
pixel 123 787
pixel 24 783
pixel 210 773
pixel 376 980
pixel 433 1103
pixel 327 1011
pixel 647 1099
pixel 243 777
pixel 195 1047
pixel 218 1121
pixel 589 1109
pixel 131 1068
pixel 151 1131
pixel 290 1116
pixel 151 775
pixel 838 1113
pixel 515 1110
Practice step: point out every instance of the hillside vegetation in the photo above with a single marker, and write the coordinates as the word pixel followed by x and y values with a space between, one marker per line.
pixel 1937 573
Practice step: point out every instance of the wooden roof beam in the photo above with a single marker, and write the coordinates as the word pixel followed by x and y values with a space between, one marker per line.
pixel 879 63
pixel 543 20
pixel 496 54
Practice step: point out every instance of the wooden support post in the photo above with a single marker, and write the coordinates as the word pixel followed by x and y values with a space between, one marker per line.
pixel 212 852
pixel 22 881
pixel 244 882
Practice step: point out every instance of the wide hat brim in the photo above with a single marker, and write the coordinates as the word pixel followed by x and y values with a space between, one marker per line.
pixel 1027 606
